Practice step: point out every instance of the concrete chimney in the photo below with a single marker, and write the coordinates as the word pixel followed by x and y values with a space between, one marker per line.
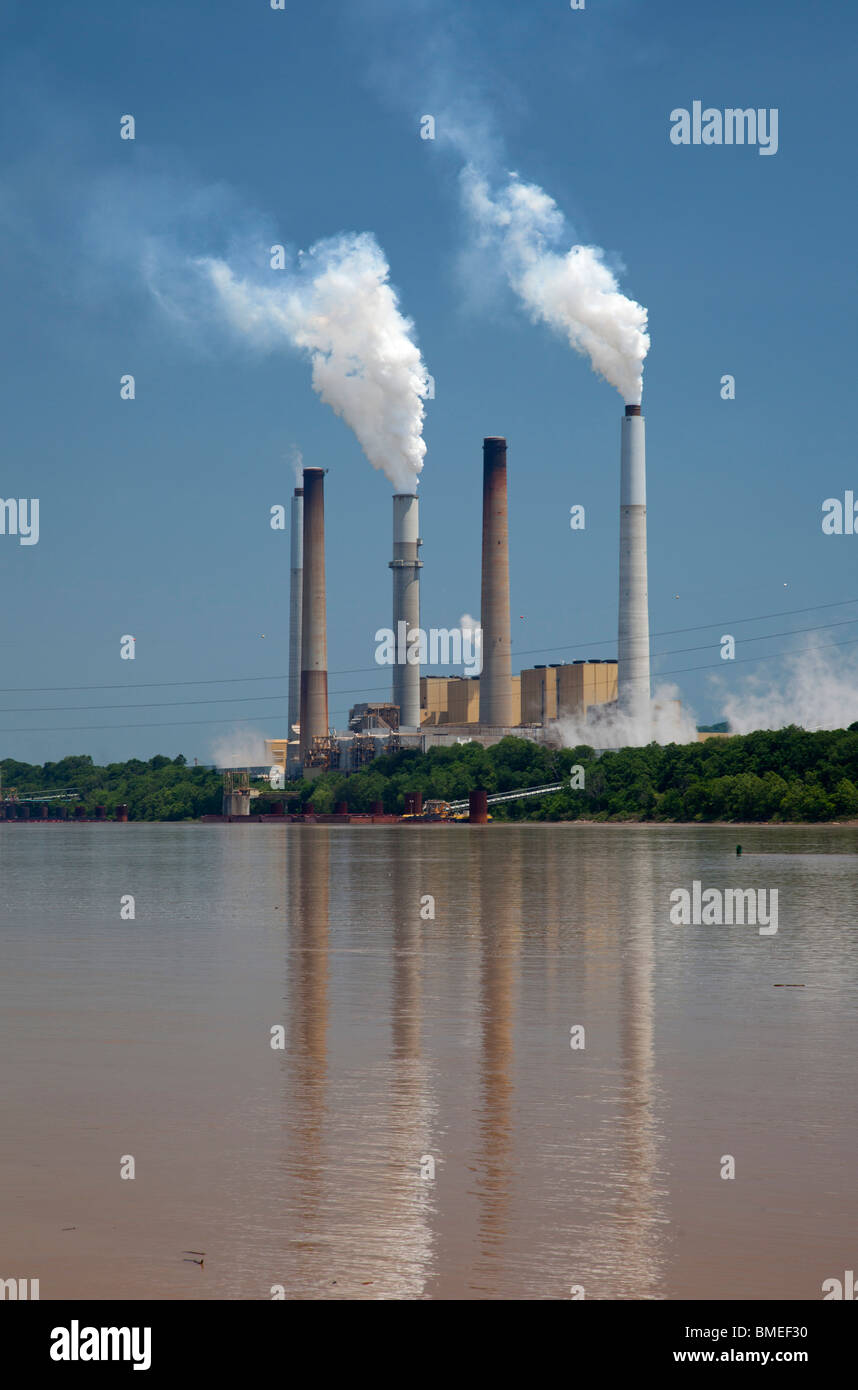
pixel 496 675
pixel 406 606
pixel 633 678
pixel 314 642
pixel 296 584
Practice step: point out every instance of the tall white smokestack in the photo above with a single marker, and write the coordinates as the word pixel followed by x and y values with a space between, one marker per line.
pixel 633 678
pixel 406 606
pixel 296 586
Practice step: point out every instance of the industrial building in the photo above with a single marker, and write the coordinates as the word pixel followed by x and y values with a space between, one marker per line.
pixel 565 690
pixel 428 711
pixel 374 716
pixel 456 700
pixel 538 695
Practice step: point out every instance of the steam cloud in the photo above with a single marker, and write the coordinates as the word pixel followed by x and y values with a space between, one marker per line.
pixel 339 309
pixel 608 726
pixel 297 465
pixel 815 691
pixel 575 293
pixel 239 748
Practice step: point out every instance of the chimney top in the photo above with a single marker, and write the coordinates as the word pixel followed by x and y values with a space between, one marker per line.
pixel 633 410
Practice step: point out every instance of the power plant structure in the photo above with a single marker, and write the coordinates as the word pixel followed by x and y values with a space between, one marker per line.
pixel 496 676
pixel 314 636
pixel 406 567
pixel 429 711
pixel 633 674
pixel 296 588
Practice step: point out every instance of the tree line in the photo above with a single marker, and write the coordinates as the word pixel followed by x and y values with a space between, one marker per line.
pixel 160 789
pixel 771 775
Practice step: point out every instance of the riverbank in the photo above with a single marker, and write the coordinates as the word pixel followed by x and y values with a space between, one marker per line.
pixel 784 776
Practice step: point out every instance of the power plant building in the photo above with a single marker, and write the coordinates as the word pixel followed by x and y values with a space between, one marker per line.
pixel 434 710
pixel 456 700
pixel 374 716
pixel 538 695
pixel 566 690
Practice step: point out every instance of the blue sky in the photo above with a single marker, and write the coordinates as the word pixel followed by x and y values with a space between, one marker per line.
pixel 154 514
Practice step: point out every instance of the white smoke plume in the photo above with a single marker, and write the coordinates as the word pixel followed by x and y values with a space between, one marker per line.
pixel 339 308
pixel 467 623
pixel 815 690
pixel 297 460
pixel 240 748
pixel 607 726
pixel 574 292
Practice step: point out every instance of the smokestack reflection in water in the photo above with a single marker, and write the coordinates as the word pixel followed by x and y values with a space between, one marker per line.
pixel 308 876
pixel 500 929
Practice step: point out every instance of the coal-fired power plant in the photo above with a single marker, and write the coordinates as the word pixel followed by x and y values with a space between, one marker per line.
pixel 296 580
pixel 545 703
pixel 633 675
pixel 406 568
pixel 496 676
pixel 314 642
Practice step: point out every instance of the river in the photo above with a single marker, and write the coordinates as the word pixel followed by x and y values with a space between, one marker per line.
pixel 422 1126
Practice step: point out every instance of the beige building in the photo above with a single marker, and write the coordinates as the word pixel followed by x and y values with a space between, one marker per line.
pixel 581 684
pixel 555 692
pixel 276 749
pixel 539 695
pixel 456 700
pixel 433 700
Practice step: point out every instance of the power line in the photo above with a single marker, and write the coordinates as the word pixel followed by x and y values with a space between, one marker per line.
pixel 242 719
pixel 100 728
pixel 702 627
pixel 147 704
pixel 365 670
pixel 758 637
pixel 370 690
pixel 769 656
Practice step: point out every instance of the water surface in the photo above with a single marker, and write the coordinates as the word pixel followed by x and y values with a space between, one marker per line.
pixel 411 1037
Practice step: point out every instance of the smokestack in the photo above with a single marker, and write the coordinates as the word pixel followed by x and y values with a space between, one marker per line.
pixel 296 585
pixel 314 643
pixel 633 680
pixel 496 675
pixel 406 606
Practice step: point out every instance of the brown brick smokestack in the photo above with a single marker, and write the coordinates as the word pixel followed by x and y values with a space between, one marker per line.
pixel 496 675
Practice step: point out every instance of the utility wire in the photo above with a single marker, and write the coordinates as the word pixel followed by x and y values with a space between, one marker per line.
pixel 365 670
pixel 357 690
pixel 243 719
pixel 769 656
